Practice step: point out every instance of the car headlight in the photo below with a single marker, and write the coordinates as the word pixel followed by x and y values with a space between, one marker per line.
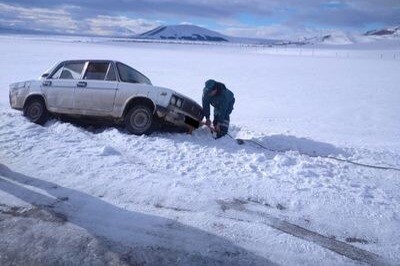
pixel 179 103
pixel 17 85
pixel 173 100
pixel 176 101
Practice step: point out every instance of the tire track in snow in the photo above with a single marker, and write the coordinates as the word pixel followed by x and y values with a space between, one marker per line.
pixel 334 245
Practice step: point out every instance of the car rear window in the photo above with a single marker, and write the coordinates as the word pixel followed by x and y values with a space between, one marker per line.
pixel 128 74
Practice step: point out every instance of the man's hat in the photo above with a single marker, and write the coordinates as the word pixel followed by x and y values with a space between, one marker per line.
pixel 210 84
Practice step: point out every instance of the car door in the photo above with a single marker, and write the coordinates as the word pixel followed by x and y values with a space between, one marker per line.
pixel 95 93
pixel 59 88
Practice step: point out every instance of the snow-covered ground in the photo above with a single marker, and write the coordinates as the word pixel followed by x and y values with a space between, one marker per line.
pixel 100 196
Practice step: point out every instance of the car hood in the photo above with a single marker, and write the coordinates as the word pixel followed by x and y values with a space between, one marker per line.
pixel 23 84
pixel 174 92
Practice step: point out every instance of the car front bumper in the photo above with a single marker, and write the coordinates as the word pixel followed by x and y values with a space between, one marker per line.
pixel 16 102
pixel 174 116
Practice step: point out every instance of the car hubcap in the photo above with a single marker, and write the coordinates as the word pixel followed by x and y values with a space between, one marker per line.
pixel 35 110
pixel 140 120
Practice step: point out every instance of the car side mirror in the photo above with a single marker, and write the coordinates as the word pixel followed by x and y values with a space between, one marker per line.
pixel 45 75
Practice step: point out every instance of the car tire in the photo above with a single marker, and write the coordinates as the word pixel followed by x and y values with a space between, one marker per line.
pixel 35 110
pixel 140 120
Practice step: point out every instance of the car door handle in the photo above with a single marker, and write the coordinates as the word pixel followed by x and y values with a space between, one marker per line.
pixel 46 83
pixel 81 84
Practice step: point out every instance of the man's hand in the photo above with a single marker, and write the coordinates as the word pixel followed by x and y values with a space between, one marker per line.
pixel 208 122
pixel 217 128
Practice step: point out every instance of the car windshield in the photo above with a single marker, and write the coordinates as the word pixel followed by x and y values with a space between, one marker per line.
pixel 128 74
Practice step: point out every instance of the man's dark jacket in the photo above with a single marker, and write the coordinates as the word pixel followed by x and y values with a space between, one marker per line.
pixel 222 102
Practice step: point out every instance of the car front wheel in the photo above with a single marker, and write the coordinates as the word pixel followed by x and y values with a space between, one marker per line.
pixel 139 120
pixel 35 110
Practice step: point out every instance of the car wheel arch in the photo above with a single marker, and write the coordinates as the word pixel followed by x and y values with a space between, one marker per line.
pixel 35 109
pixel 139 100
pixel 32 97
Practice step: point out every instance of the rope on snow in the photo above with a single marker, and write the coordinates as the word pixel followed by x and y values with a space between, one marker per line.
pixel 241 141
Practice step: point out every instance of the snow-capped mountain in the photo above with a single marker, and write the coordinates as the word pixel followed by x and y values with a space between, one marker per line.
pixel 345 38
pixel 184 32
pixel 22 31
pixel 333 38
pixel 196 33
pixel 393 31
pixel 341 38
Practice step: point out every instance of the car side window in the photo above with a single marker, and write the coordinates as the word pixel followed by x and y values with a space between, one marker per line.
pixel 71 70
pixel 111 73
pixel 97 71
pixel 57 74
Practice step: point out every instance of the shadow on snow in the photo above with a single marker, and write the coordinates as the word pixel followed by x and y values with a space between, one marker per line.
pixel 136 237
pixel 203 137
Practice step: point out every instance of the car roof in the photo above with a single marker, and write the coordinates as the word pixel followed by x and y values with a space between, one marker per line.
pixel 85 60
pixel 96 60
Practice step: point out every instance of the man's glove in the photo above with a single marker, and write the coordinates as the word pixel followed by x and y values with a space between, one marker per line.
pixel 208 122
pixel 217 128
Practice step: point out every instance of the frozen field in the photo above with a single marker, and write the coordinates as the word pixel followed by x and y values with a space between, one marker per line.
pixel 101 196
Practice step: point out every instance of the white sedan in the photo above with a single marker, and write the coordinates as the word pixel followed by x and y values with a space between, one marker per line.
pixel 104 90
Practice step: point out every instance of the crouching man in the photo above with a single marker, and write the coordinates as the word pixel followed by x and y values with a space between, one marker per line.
pixel 222 99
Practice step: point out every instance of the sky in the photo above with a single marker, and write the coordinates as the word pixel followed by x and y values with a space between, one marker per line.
pixel 279 19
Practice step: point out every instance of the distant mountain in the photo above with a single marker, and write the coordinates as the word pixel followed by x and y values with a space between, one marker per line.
pixel 343 38
pixel 184 32
pixel 340 38
pixel 333 38
pixel 193 33
pixel 23 31
pixel 41 32
pixel 387 32
pixel 196 33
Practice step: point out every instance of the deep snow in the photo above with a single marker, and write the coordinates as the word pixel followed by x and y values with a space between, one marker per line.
pixel 178 199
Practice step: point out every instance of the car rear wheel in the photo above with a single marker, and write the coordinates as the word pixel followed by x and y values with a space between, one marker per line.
pixel 35 110
pixel 140 120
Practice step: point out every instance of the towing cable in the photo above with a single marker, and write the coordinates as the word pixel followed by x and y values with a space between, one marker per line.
pixel 242 141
